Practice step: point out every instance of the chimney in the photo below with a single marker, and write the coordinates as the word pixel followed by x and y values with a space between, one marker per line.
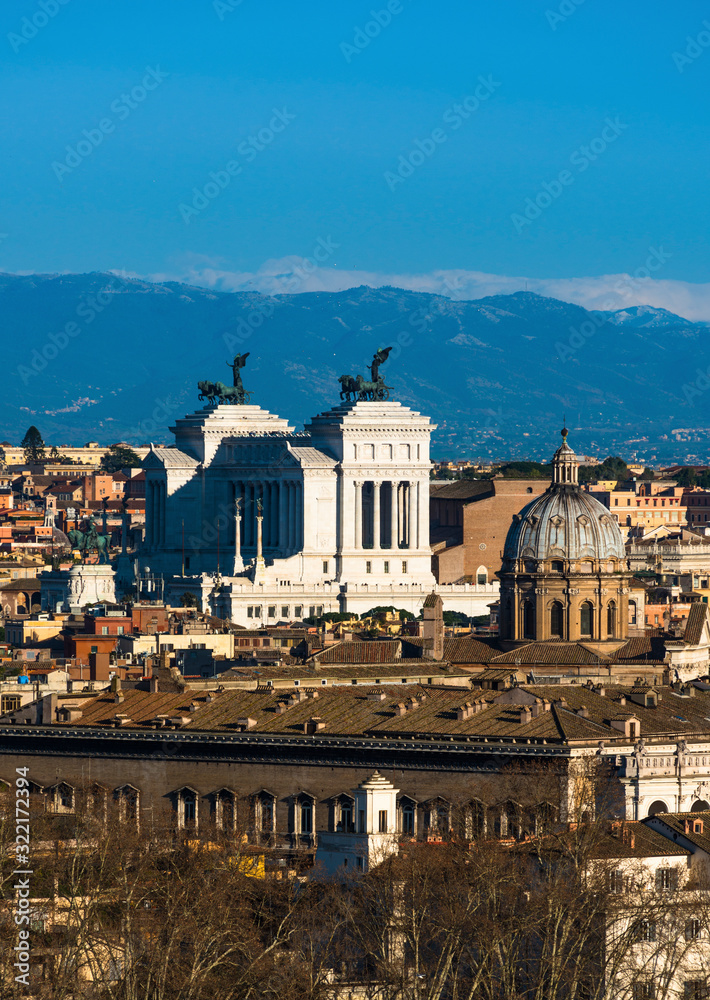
pixel 525 716
pixel 154 684
pixel 583 712
pixel 246 723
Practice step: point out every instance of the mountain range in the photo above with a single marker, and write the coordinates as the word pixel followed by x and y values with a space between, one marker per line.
pixel 103 357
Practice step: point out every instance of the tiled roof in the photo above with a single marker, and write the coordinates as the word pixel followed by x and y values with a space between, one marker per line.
pixel 696 621
pixel 636 840
pixel 430 710
pixel 467 649
pixel 462 489
pixel 675 822
pixel 551 653
pixel 374 651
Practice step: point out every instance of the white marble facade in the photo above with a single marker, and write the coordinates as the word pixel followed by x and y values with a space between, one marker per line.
pixel 344 513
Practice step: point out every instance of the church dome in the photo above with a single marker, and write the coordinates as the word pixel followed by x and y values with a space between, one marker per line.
pixel 563 523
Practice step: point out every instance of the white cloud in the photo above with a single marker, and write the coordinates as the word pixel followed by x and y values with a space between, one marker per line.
pixel 608 291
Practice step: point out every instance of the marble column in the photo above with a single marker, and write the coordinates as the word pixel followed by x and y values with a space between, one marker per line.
pixel 274 537
pixel 291 517
pixel 238 562
pixel 394 540
pixel 283 517
pixel 421 538
pixel 358 515
pixel 376 525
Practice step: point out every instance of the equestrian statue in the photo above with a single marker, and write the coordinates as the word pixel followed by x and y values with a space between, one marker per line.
pixel 90 540
pixel 218 392
pixel 354 389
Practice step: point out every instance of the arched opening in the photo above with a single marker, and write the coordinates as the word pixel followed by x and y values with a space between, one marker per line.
pixel 586 618
pixel 611 619
pixel 482 576
pixel 632 612
pixel 700 806
pixel 407 817
pixel 528 620
pixel 556 620
pixel 657 807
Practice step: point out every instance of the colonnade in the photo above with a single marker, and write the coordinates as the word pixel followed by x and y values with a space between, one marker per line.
pixel 282 513
pixel 155 513
pixel 383 514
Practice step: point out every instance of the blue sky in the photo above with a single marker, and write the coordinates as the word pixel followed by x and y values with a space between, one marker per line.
pixel 337 180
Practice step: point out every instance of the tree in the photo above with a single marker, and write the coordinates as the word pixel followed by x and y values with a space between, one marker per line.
pixel 457 618
pixel 686 476
pixel 119 457
pixel 33 444
pixel 188 600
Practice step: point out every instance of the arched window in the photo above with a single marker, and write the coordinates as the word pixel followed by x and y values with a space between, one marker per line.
pixel 586 617
pixel 556 620
pixel 657 807
pixel 700 806
pixel 611 619
pixel 528 620
pixel 482 575
pixel 407 812
pixel 225 809
pixel 513 819
pixel 632 612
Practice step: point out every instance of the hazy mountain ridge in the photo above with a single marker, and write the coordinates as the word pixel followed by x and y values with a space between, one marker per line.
pixel 96 356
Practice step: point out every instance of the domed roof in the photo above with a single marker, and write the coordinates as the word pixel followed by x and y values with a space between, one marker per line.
pixel 564 522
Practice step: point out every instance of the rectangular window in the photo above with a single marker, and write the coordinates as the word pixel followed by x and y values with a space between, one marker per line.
pixel 383 821
pixel 189 809
pixel 94 649
pixel 616 881
pixel 312 611
pixel 696 989
pixel 272 611
pixel 644 991
pixel 257 611
pixel 306 817
pixel 325 565
pixel 284 611
pixel 368 566
pixel 664 879
pixel 387 566
pixel 104 630
pixel 319 610
pixel 692 930
pixel 404 565
pixel 250 612
pixel 120 630
pixel 361 821
pixel 298 611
